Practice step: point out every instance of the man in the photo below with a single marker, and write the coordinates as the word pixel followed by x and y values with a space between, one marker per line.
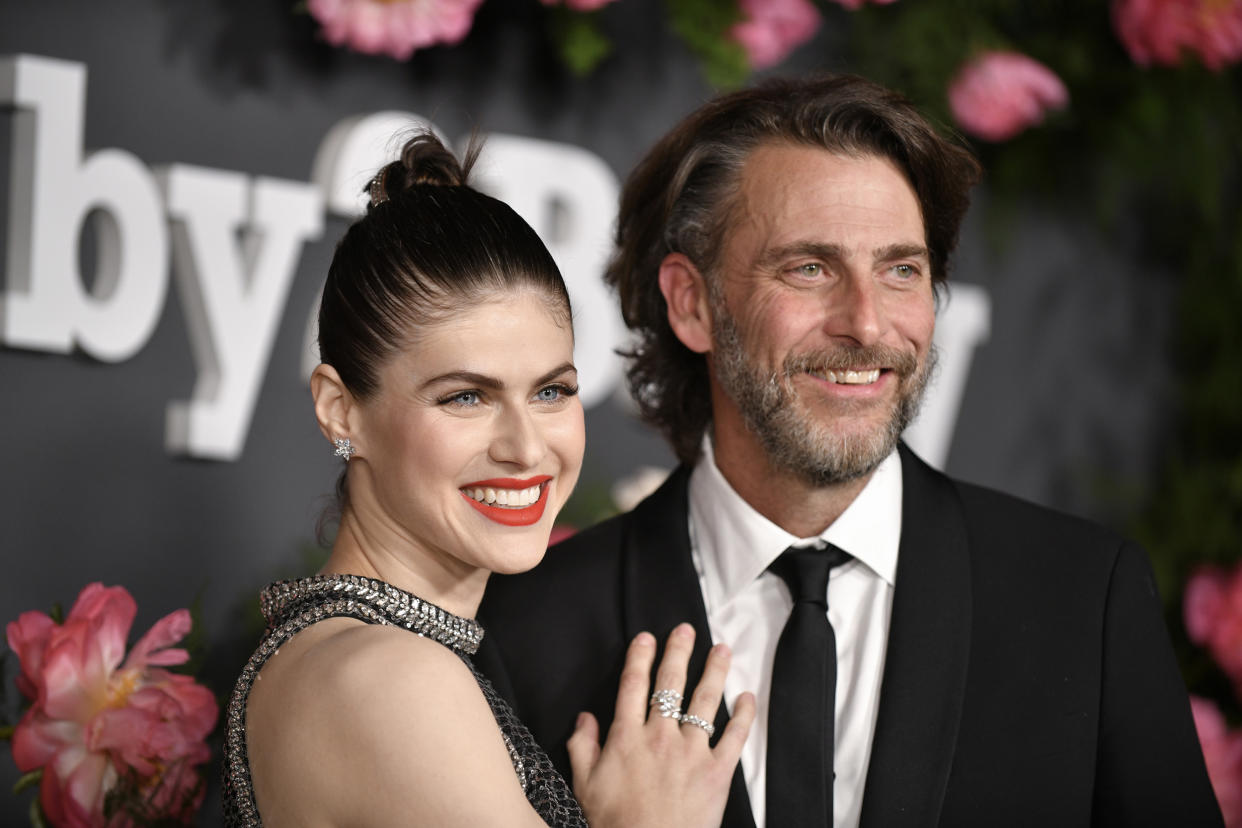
pixel 991 662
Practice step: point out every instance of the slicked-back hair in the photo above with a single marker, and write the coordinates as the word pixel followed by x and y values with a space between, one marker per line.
pixel 682 196
pixel 430 245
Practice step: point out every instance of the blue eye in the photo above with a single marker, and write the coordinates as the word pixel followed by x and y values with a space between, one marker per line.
pixel 466 399
pixel 554 393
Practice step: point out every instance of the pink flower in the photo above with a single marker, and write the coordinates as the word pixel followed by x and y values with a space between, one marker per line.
pixel 1159 31
pixel 579 5
pixel 1222 752
pixel 855 5
pixel 560 532
pixel 774 28
pixel 999 94
pixel 98 723
pixel 393 27
pixel 1212 607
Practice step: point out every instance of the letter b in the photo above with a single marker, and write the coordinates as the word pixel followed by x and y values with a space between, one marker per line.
pixel 45 305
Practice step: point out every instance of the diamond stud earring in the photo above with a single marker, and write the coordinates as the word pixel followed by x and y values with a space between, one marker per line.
pixel 344 448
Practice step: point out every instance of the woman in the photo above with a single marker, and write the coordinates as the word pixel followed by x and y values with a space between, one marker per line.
pixel 448 386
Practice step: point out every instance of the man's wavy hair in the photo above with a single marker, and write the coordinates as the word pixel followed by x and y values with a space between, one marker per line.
pixel 682 195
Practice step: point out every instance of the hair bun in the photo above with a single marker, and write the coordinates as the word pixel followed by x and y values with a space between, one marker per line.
pixel 424 161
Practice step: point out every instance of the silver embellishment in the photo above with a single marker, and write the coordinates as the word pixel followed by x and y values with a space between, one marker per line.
pixel 344 448
pixel 292 606
pixel 691 719
pixel 667 704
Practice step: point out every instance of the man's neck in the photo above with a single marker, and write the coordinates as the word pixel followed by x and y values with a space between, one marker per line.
pixel 780 496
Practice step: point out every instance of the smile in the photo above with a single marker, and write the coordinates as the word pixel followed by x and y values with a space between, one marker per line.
pixel 508 501
pixel 849 377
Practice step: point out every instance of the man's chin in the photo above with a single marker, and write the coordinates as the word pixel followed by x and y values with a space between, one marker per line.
pixel 831 458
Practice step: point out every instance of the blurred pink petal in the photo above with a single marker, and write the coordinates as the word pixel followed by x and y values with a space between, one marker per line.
pixel 579 5
pixel 855 5
pixel 396 28
pixel 771 29
pixel 1162 31
pixel 1204 602
pixel 997 95
pixel 560 532
pixel 151 648
pixel 1222 752
pixel 28 637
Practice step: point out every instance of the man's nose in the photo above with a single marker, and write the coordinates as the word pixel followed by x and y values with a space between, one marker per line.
pixel 854 311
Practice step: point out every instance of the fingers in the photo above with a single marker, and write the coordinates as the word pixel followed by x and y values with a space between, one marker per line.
pixel 705 701
pixel 729 748
pixel 583 748
pixel 634 688
pixel 672 672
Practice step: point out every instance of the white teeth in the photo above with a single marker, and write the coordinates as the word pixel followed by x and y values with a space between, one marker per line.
pixel 854 377
pixel 513 498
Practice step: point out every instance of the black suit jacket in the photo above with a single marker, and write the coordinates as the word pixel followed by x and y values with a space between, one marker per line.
pixel 1029 678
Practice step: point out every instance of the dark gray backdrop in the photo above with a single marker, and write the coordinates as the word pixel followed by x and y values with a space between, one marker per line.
pixel 1066 402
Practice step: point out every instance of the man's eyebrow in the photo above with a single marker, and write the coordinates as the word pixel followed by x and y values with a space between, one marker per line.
pixel 900 251
pixel 815 250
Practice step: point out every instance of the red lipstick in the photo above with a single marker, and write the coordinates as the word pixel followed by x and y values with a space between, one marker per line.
pixel 510 516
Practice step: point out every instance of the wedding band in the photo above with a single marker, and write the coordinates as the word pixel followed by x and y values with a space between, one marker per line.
pixel 667 703
pixel 691 719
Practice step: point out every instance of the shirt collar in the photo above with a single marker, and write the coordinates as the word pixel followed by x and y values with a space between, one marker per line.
pixel 733 544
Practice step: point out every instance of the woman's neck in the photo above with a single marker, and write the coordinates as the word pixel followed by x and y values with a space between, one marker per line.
pixel 442 580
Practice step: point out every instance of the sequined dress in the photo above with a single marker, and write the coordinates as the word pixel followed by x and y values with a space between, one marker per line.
pixel 292 606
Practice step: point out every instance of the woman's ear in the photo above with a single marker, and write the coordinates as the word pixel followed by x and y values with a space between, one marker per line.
pixel 334 405
pixel 685 293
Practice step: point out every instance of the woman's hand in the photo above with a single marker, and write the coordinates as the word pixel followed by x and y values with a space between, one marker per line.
pixel 654 769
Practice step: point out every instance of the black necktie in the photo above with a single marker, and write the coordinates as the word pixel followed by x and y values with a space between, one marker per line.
pixel 802 702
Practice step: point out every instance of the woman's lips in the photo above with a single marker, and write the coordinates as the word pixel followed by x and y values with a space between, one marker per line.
pixel 509 490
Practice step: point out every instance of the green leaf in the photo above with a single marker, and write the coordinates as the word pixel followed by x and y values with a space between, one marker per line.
pixel 57 613
pixel 29 780
pixel 580 41
pixel 37 819
pixel 6 733
pixel 704 27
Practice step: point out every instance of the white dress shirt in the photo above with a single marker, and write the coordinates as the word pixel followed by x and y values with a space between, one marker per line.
pixel 732 546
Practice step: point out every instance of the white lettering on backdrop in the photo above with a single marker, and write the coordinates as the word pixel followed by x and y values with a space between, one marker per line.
pixel 235 244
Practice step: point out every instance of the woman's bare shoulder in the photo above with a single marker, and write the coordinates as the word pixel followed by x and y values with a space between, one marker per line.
pixel 377 725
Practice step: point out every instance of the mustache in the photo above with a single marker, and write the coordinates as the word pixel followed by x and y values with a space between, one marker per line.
pixel 845 357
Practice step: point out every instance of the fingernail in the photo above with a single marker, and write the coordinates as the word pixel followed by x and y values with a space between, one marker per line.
pixel 684 630
pixel 644 639
pixel 582 718
pixel 721 649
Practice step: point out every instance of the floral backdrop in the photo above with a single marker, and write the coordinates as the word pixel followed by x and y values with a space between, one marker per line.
pixel 1124 115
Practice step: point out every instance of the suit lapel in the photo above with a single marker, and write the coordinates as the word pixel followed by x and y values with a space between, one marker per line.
pixel 928 654
pixel 660 590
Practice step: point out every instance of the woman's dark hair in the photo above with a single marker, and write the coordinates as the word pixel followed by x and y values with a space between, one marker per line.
pixel 682 196
pixel 428 246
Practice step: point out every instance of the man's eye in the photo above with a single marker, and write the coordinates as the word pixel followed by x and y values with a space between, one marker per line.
pixel 905 271
pixel 812 269
pixel 462 398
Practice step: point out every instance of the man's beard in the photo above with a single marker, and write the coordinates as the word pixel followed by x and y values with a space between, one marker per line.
pixel 794 439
